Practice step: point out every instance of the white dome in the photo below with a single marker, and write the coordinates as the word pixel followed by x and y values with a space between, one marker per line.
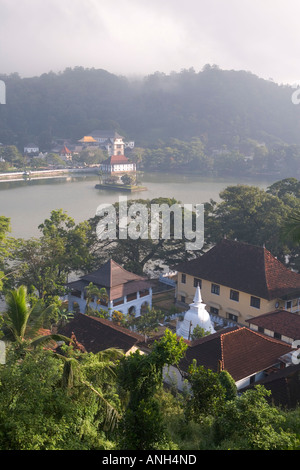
pixel 197 315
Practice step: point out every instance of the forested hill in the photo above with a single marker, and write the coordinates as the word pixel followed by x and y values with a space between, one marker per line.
pixel 219 107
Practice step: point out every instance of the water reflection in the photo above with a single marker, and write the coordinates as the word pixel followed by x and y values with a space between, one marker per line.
pixel 29 203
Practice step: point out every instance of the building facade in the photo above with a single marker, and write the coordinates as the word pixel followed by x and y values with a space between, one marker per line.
pixel 117 162
pixel 238 282
pixel 127 292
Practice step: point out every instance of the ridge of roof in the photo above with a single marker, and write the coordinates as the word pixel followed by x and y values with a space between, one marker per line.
pixel 257 333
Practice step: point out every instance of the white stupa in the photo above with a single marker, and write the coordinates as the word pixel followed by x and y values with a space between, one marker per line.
pixel 196 315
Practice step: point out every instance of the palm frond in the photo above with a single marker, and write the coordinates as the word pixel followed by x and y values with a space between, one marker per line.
pixel 112 354
pixel 46 339
pixel 70 366
pixel 39 315
pixel 112 415
pixel 291 229
pixel 17 311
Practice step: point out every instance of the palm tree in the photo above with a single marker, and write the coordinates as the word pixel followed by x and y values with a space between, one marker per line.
pixel 96 373
pixel 18 316
pixel 291 229
pixel 91 292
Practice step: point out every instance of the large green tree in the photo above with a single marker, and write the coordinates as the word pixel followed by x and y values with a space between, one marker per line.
pixel 140 376
pixel 46 262
pixel 22 321
pixel 250 422
pixel 47 404
pixel 208 394
pixel 145 251
pixel 252 215
pixel 4 247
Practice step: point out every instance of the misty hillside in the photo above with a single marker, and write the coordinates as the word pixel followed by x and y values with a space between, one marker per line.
pixel 219 107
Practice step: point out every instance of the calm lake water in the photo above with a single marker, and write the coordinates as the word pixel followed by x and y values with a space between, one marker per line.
pixel 29 203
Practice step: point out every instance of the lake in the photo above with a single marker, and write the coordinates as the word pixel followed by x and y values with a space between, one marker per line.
pixel 29 203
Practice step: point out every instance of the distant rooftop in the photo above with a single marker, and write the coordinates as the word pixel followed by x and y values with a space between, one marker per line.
pixel 87 139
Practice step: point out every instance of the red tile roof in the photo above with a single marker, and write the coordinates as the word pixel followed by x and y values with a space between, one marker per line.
pixel 65 151
pixel 98 334
pixel 243 267
pixel 240 351
pixel 116 160
pixel 279 321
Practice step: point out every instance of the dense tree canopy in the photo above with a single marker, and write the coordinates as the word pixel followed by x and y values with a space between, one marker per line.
pixel 255 216
pixel 218 107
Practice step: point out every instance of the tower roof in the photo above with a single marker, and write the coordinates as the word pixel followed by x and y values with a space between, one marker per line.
pixel 111 274
pixel 116 160
pixel 117 281
pixel 65 151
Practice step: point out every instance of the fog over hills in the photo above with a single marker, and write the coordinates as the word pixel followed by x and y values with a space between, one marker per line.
pixel 218 106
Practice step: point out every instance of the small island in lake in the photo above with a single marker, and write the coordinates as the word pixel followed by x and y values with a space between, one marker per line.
pixel 117 172
pixel 124 182
pixel 120 187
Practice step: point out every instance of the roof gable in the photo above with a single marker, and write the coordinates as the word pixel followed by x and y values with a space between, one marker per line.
pixel 65 151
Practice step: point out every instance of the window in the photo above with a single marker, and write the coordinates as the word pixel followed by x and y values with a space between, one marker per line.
pixel 277 335
pixel 255 302
pixel 214 311
pixel 234 295
pixel 232 317
pixel 288 305
pixel 197 282
pixel 182 298
pixel 252 379
pixel 215 289
pixel 183 278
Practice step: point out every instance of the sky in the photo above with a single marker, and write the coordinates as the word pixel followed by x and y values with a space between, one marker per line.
pixel 140 37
